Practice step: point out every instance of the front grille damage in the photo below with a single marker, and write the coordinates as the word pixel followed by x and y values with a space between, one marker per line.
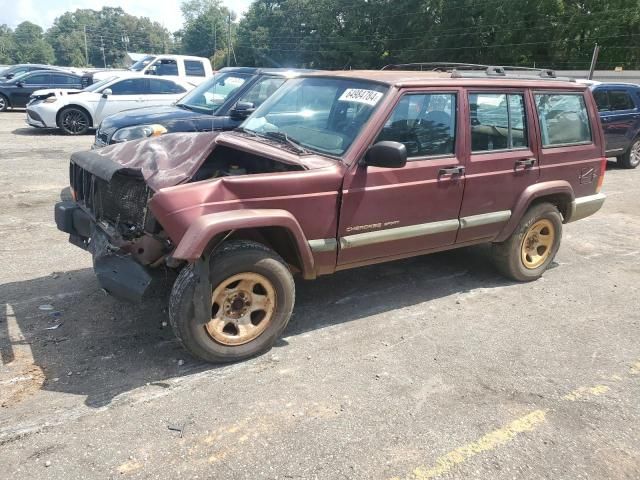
pixel 120 202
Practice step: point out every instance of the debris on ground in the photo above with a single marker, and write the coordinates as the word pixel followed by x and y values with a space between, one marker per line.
pixel 45 307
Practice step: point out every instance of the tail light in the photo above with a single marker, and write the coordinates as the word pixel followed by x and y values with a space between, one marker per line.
pixel 603 169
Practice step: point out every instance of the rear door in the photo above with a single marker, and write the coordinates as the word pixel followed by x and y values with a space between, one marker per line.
pixel 61 80
pixel 394 213
pixel 162 92
pixel 503 159
pixel 619 115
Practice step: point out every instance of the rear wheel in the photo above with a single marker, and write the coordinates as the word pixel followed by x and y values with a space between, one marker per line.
pixel 4 103
pixel 74 121
pixel 529 251
pixel 252 297
pixel 631 159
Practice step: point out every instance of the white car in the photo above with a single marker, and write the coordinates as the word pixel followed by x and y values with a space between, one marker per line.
pixel 77 111
pixel 192 69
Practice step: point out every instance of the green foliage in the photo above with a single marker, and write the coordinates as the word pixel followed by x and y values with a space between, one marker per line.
pixel 205 29
pixel 29 45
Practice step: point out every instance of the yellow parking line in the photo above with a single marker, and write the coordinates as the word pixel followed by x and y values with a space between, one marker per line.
pixel 586 392
pixel 488 442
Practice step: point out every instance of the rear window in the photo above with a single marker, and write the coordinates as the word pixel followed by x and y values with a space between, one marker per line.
pixel 194 68
pixel 620 100
pixel 563 119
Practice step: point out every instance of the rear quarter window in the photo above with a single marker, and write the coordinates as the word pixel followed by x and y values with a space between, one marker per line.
pixel 564 119
pixel 194 68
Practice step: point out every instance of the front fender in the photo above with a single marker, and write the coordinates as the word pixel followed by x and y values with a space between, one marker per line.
pixel 556 188
pixel 200 233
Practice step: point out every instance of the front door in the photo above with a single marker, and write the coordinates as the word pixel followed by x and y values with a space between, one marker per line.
pixel 126 94
pixel 503 160
pixel 394 213
pixel 30 83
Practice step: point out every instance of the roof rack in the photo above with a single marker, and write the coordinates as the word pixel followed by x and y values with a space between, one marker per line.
pixel 465 70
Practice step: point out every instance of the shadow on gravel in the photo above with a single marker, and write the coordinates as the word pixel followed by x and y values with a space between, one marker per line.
pixel 38 132
pixel 93 345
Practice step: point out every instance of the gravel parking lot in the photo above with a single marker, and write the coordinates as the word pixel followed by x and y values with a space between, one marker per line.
pixel 434 367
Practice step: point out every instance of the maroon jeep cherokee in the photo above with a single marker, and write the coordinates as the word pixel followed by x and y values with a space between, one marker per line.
pixel 335 171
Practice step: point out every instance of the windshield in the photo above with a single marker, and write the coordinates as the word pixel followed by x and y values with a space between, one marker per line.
pixel 209 96
pixel 95 86
pixel 140 64
pixel 321 114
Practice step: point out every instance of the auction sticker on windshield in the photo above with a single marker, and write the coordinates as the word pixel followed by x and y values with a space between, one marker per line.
pixel 359 95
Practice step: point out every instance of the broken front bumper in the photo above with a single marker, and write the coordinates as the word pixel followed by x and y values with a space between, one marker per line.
pixel 118 273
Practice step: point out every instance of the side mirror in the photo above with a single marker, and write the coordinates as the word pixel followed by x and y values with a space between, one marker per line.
pixel 20 84
pixel 386 155
pixel 106 92
pixel 242 110
pixel 10 76
pixel 151 70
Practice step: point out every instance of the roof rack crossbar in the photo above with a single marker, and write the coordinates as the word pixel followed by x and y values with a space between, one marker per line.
pixel 459 70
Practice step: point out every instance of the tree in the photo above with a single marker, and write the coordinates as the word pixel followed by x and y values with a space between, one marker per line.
pixel 30 46
pixel 205 29
pixel 7 47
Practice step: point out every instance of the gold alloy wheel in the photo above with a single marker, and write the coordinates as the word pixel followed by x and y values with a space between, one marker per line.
pixel 242 308
pixel 537 244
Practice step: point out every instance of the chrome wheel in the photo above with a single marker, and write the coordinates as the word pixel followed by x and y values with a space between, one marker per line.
pixel 537 244
pixel 74 122
pixel 242 308
pixel 634 157
pixel 3 104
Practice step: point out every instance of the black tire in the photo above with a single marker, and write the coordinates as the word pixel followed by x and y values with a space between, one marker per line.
pixel 74 121
pixel 509 256
pixel 631 158
pixel 4 103
pixel 231 259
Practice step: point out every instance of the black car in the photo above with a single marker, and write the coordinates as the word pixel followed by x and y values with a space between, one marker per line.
pixel 17 70
pixel 221 103
pixel 16 92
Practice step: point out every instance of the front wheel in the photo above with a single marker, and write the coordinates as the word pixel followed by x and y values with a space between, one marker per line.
pixel 631 159
pixel 4 103
pixel 252 297
pixel 74 121
pixel 529 251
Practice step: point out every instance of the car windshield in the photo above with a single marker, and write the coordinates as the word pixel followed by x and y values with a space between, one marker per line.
pixel 140 64
pixel 95 86
pixel 209 96
pixel 321 114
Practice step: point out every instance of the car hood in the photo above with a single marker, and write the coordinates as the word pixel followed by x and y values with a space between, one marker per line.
pixel 149 115
pixel 56 91
pixel 173 159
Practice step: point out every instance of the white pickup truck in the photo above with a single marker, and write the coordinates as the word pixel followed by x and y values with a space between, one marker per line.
pixel 191 69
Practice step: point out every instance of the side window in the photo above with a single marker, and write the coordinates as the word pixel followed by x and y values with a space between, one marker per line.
pixel 194 68
pixel 498 121
pixel 164 87
pixel 564 119
pixel 38 79
pixel 602 100
pixel 130 86
pixel 424 123
pixel 65 80
pixel 621 100
pixel 166 68
pixel 262 90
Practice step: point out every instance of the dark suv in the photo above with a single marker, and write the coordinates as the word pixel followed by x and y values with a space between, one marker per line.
pixel 335 171
pixel 221 103
pixel 619 107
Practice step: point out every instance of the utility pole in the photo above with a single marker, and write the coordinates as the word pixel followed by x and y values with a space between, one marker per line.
pixel 104 58
pixel 125 41
pixel 86 48
pixel 594 60
pixel 229 43
pixel 215 42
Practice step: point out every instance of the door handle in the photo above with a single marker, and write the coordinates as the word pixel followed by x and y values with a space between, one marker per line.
pixel 525 163
pixel 451 171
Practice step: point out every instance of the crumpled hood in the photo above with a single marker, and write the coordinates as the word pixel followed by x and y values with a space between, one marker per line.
pixel 172 159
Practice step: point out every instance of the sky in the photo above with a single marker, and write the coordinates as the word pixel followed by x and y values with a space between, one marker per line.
pixel 43 12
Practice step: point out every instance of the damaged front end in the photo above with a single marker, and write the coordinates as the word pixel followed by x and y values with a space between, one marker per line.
pixel 110 214
pixel 109 217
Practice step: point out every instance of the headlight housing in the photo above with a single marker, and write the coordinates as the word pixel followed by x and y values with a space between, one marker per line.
pixel 139 131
